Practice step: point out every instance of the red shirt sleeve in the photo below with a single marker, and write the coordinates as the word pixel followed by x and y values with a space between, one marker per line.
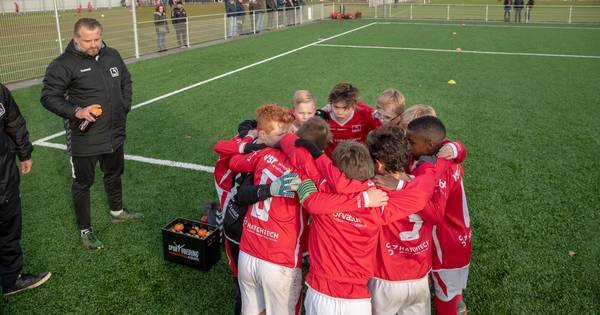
pixel 337 180
pixel 240 163
pixel 300 158
pixel 327 203
pixel 413 198
pixel 230 147
pixel 461 150
pixel 372 122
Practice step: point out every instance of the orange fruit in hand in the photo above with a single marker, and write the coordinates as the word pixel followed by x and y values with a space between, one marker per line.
pixel 96 111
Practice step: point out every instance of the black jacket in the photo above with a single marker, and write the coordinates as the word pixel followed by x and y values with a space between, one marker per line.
pixel 75 79
pixel 14 140
pixel 178 16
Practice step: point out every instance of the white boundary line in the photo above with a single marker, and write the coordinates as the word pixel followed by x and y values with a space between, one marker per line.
pixel 184 165
pixel 494 25
pixel 150 101
pixel 462 52
pixel 196 167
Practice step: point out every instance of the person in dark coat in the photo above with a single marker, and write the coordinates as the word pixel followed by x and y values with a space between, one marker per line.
pixel 518 5
pixel 14 142
pixel 507 7
pixel 90 82
pixel 272 9
pixel 179 20
pixel 530 4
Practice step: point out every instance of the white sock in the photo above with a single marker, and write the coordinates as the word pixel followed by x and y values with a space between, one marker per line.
pixel 116 213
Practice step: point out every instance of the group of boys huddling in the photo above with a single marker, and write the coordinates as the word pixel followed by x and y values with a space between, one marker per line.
pixel 374 195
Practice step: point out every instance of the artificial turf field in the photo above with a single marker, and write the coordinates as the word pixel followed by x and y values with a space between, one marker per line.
pixel 530 122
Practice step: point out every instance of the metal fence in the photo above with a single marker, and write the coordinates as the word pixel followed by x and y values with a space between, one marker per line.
pixel 28 42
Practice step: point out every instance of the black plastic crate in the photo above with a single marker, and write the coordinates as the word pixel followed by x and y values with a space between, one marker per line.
pixel 199 253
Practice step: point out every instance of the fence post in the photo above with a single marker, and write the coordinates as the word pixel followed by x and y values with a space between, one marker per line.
pixel 322 11
pixel 254 22
pixel 526 15
pixel 276 19
pixel 301 14
pixel 448 13
pixel 135 32
pixel 225 24
pixel 60 46
pixel 411 10
pixel 570 13
pixel 187 30
pixel 487 10
pixel 376 9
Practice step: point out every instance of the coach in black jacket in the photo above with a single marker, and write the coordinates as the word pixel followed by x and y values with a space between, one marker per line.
pixel 89 75
pixel 14 141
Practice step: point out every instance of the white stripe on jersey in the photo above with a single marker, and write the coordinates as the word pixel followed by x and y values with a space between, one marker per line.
pixel 466 216
pixel 436 243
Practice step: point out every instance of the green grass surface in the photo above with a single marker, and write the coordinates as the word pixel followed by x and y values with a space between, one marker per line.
pixel 530 123
pixel 28 42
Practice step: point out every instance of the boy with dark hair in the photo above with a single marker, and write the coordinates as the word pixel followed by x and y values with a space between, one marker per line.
pixel 452 236
pixel 348 118
pixel 400 284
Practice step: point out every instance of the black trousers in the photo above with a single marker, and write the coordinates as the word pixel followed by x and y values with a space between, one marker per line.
pixel 84 169
pixel 11 255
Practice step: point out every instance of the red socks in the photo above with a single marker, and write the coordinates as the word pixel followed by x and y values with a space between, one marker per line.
pixel 447 308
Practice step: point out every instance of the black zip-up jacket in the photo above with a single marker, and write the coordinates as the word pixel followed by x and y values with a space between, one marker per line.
pixel 75 79
pixel 178 16
pixel 14 140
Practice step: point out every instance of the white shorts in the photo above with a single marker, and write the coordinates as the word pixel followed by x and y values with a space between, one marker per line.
pixel 400 297
pixel 450 282
pixel 316 303
pixel 268 286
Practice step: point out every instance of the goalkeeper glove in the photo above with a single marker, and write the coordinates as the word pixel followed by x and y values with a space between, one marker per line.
pixel 285 185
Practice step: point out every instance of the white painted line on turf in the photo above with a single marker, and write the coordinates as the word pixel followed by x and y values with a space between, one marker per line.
pixel 184 165
pixel 50 137
pixel 150 101
pixel 462 52
pixel 493 25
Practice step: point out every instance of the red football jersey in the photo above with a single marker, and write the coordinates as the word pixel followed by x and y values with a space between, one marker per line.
pixel 405 245
pixel 356 127
pixel 452 236
pixel 343 238
pixel 223 175
pixel 273 228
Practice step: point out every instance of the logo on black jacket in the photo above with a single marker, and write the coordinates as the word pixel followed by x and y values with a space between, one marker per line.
pixel 2 110
pixel 114 71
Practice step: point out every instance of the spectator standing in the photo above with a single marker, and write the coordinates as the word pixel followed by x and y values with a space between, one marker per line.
pixel 230 9
pixel 290 12
pixel 518 5
pixel 14 142
pixel 530 4
pixel 161 26
pixel 240 16
pixel 179 20
pixel 271 9
pixel 260 14
pixel 507 6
